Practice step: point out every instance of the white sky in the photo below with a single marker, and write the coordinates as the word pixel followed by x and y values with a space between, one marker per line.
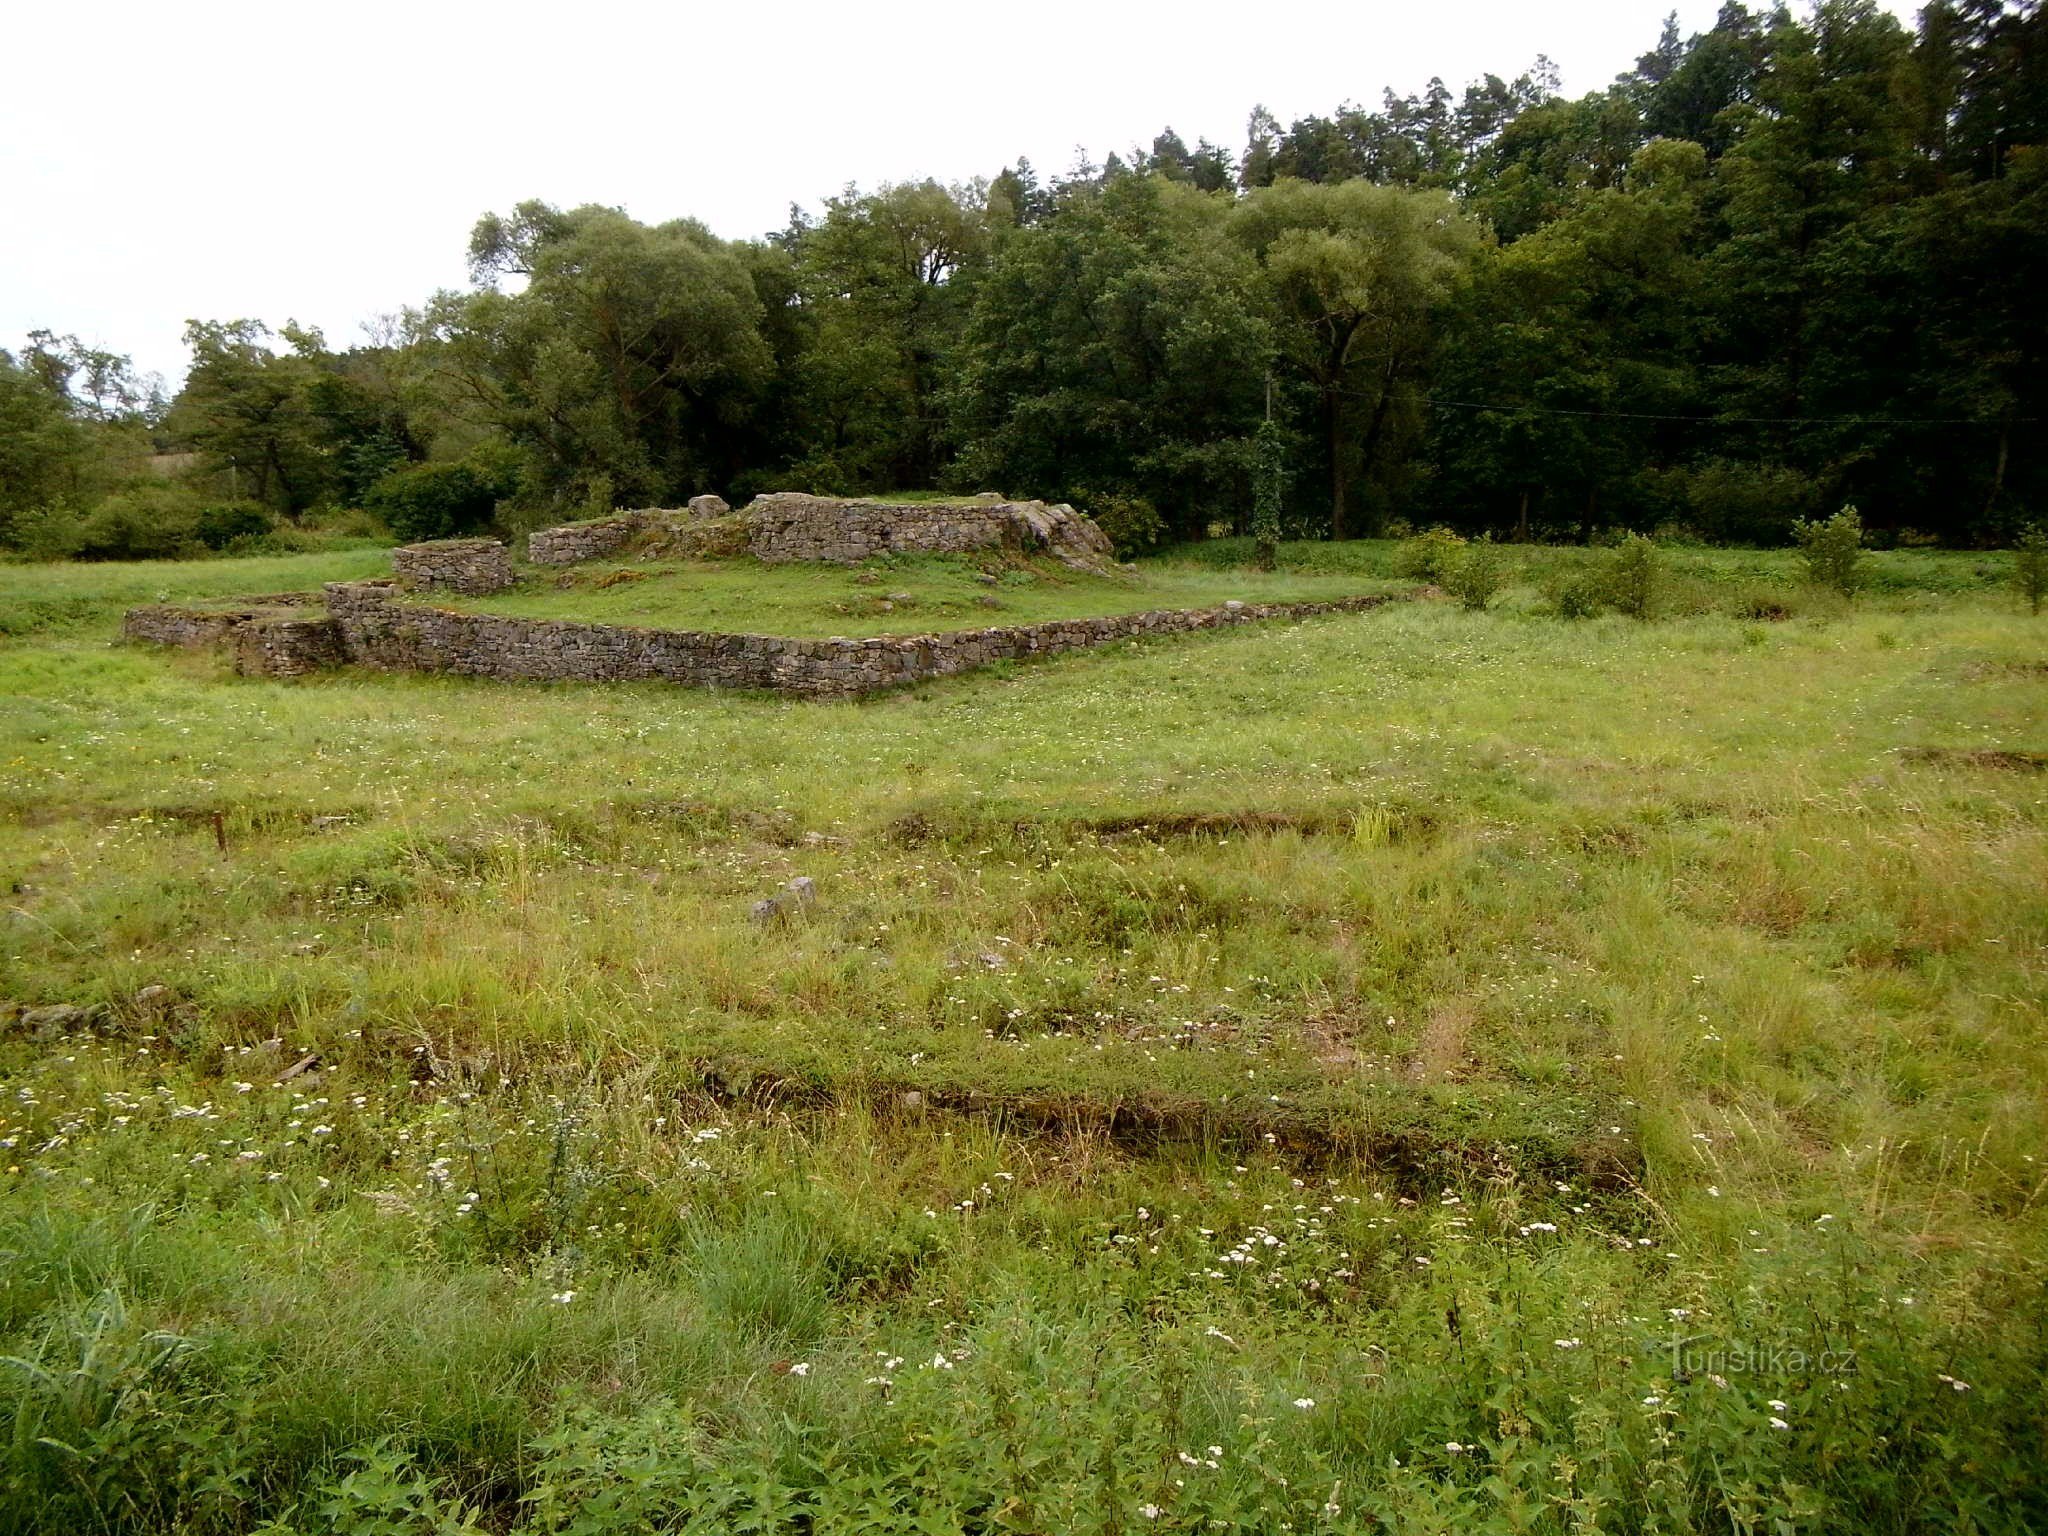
pixel 325 162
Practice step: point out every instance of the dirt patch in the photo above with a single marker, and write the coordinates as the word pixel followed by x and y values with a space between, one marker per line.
pixel 1998 759
pixel 1372 824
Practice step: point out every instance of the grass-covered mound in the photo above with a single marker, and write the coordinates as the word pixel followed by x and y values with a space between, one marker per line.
pixel 902 595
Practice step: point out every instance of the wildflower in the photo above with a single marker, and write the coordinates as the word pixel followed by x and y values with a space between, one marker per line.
pixel 1778 1423
pixel 801 1368
pixel 1959 1386
pixel 941 1363
pixel 562 1298
pixel 1652 1400
pixel 1304 1403
pixel 1150 1511
pixel 1778 1405
pixel 1454 1448
pixel 1566 1343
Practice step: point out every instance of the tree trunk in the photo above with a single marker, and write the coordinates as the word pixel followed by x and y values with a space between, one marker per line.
pixel 1334 411
pixel 1522 519
pixel 1998 470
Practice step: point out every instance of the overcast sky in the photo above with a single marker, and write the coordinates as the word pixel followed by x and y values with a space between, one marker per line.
pixel 325 162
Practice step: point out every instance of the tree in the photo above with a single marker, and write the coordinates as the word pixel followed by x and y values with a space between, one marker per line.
pixel 886 281
pixel 630 364
pixel 1118 347
pixel 1356 273
pixel 245 409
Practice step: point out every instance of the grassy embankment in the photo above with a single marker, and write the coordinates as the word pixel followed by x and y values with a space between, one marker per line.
pixel 1424 1070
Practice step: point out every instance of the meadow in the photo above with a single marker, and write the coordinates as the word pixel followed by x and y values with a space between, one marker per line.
pixel 1412 1071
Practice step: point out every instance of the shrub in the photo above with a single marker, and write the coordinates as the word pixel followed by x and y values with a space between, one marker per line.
pixel 144 522
pixel 1430 557
pixel 1632 576
pixel 1766 604
pixel 1833 551
pixel 2030 567
pixel 219 526
pixel 1132 523
pixel 1478 575
pixel 1574 593
pixel 435 501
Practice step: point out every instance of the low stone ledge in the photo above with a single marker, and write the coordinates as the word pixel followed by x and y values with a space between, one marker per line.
pixel 369 625
pixel 472 567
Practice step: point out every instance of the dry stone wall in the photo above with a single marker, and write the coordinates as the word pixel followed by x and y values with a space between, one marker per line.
pixel 380 631
pixel 789 525
pixel 472 567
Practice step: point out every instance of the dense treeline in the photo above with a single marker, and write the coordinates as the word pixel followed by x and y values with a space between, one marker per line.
pixel 1787 262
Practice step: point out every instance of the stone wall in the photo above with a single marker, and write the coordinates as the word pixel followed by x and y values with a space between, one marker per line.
pixel 267 641
pixel 160 624
pixel 657 531
pixel 380 631
pixel 287 645
pixel 472 567
pixel 789 525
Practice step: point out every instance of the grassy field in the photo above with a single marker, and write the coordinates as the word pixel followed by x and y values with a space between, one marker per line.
pixel 905 595
pixel 1416 1071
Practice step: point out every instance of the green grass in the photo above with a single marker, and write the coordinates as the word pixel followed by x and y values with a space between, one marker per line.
pixel 902 595
pixel 1636 986
pixel 72 598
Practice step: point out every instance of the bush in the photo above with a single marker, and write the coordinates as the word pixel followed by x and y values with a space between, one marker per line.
pixel 1479 573
pixel 1632 576
pixel 1430 557
pixel 2030 567
pixel 1574 593
pixel 219 526
pixel 1833 551
pixel 144 522
pixel 435 501
pixel 1132 523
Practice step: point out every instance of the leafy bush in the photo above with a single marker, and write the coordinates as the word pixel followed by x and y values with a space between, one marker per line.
pixel 2030 567
pixel 1632 576
pixel 144 522
pixel 1132 523
pixel 1574 593
pixel 435 501
pixel 1767 604
pixel 1479 573
pixel 219 526
pixel 1727 499
pixel 1430 557
pixel 1833 551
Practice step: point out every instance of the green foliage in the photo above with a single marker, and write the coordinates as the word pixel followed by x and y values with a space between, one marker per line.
pixel 1478 573
pixel 437 501
pixel 1633 576
pixel 146 522
pixel 1431 556
pixel 223 523
pixel 1269 491
pixel 2030 567
pixel 1832 551
pixel 1133 524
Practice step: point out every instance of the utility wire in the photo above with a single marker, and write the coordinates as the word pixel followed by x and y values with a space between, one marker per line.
pixel 1735 421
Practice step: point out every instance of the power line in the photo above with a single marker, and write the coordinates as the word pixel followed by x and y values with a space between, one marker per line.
pixel 1735 421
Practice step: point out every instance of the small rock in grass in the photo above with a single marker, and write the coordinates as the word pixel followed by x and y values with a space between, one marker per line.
pixel 155 995
pixel 1234 606
pixel 803 889
pixel 901 597
pixel 55 1019
pixel 766 911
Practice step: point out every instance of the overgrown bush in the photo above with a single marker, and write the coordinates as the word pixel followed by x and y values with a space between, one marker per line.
pixel 1833 551
pixel 1632 576
pixel 435 501
pixel 2030 567
pixel 1430 556
pixel 1478 574
pixel 1573 592
pixel 221 525
pixel 144 522
pixel 1132 523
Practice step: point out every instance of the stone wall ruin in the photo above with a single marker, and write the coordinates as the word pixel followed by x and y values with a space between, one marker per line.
pixel 370 625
